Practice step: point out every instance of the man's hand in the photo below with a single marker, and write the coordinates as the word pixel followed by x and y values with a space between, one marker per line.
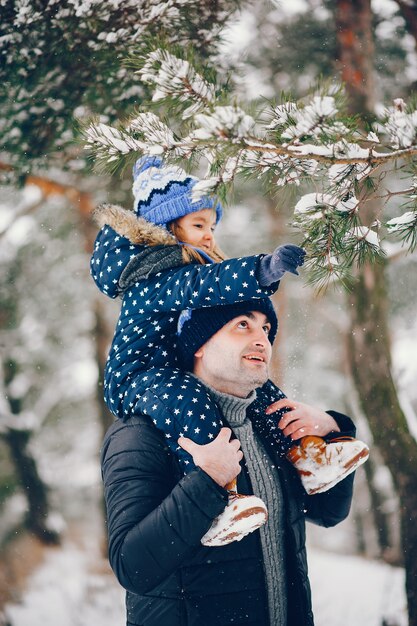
pixel 302 419
pixel 219 458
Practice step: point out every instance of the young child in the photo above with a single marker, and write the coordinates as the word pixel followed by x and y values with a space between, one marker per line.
pixel 161 259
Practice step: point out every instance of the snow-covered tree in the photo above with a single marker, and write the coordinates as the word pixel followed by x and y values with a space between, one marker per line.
pixel 44 338
pixel 58 59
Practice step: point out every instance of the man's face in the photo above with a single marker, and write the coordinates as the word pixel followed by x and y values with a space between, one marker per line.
pixel 236 359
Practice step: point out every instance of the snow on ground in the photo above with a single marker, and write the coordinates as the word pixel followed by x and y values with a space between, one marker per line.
pixel 352 591
pixel 67 590
pixel 74 588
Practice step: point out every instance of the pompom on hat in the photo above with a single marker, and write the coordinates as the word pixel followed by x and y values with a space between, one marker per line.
pixel 196 326
pixel 162 193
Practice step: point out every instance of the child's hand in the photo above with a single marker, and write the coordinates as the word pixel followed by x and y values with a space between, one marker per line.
pixel 302 419
pixel 272 267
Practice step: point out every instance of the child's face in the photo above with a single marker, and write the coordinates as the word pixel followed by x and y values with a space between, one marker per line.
pixel 197 229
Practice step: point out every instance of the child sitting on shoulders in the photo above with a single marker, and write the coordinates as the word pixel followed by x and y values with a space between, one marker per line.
pixel 161 259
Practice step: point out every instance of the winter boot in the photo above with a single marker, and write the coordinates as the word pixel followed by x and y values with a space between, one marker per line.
pixel 242 515
pixel 321 464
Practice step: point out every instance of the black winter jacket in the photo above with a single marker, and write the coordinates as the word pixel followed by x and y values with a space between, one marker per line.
pixel 156 520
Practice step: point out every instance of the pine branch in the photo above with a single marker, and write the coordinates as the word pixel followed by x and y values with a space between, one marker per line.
pixel 174 78
pixel 405 227
pixel 310 142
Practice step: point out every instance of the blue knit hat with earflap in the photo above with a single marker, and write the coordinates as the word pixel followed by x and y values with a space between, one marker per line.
pixel 163 192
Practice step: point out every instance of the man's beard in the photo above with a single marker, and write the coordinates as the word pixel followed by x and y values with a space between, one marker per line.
pixel 255 379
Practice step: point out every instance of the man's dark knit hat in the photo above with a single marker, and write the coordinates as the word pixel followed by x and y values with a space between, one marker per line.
pixel 196 326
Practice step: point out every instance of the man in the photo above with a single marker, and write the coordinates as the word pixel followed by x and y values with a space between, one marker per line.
pixel 156 518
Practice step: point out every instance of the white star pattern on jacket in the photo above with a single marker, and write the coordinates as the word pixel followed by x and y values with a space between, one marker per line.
pixel 140 372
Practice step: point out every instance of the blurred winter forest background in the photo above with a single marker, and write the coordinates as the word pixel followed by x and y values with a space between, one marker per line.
pixel 60 64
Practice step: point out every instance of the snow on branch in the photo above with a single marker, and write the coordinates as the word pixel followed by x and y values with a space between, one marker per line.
pixel 110 141
pixel 156 137
pixel 312 143
pixel 110 144
pixel 315 203
pixel 223 122
pixel 405 227
pixel 312 120
pixel 176 78
pixel 401 125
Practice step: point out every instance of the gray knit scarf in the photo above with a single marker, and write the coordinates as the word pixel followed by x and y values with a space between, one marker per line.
pixel 266 485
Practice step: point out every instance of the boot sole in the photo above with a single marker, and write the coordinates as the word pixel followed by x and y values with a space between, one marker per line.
pixel 228 535
pixel 350 467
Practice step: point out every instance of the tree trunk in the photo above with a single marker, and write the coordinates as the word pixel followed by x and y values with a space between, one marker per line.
pixel 33 486
pixel 355 52
pixel 387 549
pixel 370 360
pixel 369 345
pixel 355 56
pixel 84 205
pixel 17 440
pixel 101 333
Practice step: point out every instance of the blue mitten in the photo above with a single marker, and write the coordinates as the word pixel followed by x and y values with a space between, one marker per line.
pixel 272 267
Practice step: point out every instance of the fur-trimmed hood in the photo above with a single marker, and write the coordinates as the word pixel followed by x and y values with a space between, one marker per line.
pixel 128 249
pixel 136 229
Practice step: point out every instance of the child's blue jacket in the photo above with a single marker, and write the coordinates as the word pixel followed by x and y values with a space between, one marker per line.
pixel 127 256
